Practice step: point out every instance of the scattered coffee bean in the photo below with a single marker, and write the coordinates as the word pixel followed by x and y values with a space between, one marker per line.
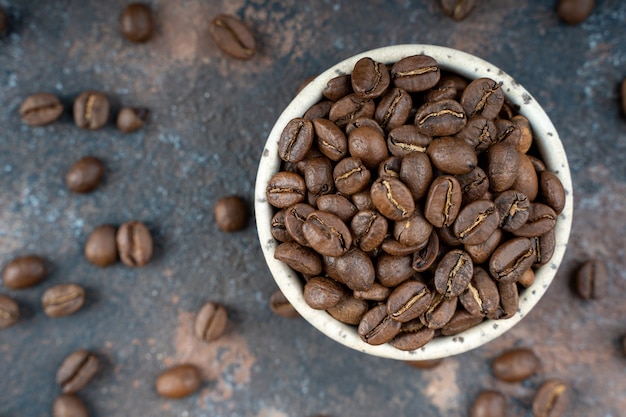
pixel 134 244
pixel 63 300
pixel 85 175
pixel 67 405
pixel 281 306
pixel 592 279
pixel 101 247
pixel 574 12
pixel 552 399
pixel 136 22
pixel 231 213
pixel 515 365
pixel 131 119
pixel 458 9
pixel 40 109
pixel 489 403
pixel 24 272
pixel 77 370
pixel 233 37
pixel 211 322
pixel 179 381
pixel 9 311
pixel 91 110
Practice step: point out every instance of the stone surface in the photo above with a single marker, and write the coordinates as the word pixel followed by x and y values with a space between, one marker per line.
pixel 209 117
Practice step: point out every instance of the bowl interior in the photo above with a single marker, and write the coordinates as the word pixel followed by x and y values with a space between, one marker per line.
pixel 545 138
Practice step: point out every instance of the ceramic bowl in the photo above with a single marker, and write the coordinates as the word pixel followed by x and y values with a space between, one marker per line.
pixel 547 142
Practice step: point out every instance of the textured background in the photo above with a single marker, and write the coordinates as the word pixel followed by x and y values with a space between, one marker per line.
pixel 210 115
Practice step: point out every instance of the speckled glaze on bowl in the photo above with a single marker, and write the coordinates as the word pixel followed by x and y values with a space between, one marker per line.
pixel 546 139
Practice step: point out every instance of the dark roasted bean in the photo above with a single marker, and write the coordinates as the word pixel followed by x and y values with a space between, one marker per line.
pixel 285 189
pixel 211 322
pixel 552 399
pixel 295 140
pixel 62 300
pixel 299 258
pixel 482 97
pixel 24 272
pixel 452 155
pixel 408 301
pixel 509 262
pixel 40 109
pixel 232 36
pixel 441 118
pixel 591 280
pixel 370 79
pixel 443 201
pixel 178 381
pixel 453 273
pixel 515 365
pixel 377 326
pixel 77 370
pixel 369 228
pixel 9 311
pixel 476 222
pixel 322 293
pixel 415 73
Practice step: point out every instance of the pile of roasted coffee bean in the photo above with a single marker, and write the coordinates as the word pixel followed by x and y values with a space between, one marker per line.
pixel 409 202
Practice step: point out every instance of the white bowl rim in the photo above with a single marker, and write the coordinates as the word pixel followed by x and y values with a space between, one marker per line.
pixel 548 143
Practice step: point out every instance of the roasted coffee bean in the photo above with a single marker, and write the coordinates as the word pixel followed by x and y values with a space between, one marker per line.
pixel 452 155
pixel 131 119
pixel 482 97
pixel 69 406
pixel 85 175
pixel 232 36
pixel 331 141
pixel 537 163
pixel 406 139
pixel 552 399
pixel 474 184
pixel 448 238
pixel 295 140
pixel 395 248
pixel 458 9
pixel 503 163
pixel 351 176
pixel 362 200
pixel 460 321
pixel 391 271
pixel 327 234
pixel 24 272
pixel 481 297
pixel 412 339
pixel 509 301
pixel 390 167
pixel 527 279
pixel 424 258
pixel 440 311
pixel 77 370
pixel 392 198
pixel 444 90
pixel 4 21
pixel 134 243
pixel 338 87
pixel 544 247
pixel 413 231
pixel 91 110
pixel 509 262
pixel 295 216
pixel 526 134
pixel 338 205
pixel 480 253
pixel 363 122
pixel 408 301
pixel 318 110
pixel 349 310
pixel 526 181
pixel 299 258
pixel 350 108
pixel 453 273
pixel 441 118
pixel 416 172
pixel 443 201
pixel 278 228
pixel 541 219
pixel 425 364
pixel 513 208
pixel 574 12
pixel 136 22
pixel 415 73
pixel 322 293
pixel 354 269
pixel 62 300
pixel 476 222
pixel 552 191
pixel 370 79
pixel 281 307
pixel 508 133
pixel 377 327
pixel 515 365
pixel 9 311
pixel 489 403
pixel 211 322
pixel 591 280
pixel 377 292
pixel 285 189
pixel 40 109
pixel 369 228
pixel 231 213
pixel 318 174
pixel 369 145
pixel 480 133
pixel 178 381
pixel 394 109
